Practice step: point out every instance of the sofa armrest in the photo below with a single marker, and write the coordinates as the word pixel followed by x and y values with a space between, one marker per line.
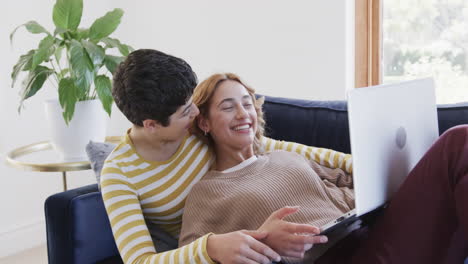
pixel 78 229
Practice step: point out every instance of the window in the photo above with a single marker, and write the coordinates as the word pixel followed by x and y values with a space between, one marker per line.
pixel 427 38
pixel 418 38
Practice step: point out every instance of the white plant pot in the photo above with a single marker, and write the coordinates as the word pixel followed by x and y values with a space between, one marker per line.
pixel 89 122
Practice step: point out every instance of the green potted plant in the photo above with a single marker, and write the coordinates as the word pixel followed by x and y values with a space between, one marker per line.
pixel 78 62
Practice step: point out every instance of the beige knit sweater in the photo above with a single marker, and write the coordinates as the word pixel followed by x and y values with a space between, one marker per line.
pixel 243 199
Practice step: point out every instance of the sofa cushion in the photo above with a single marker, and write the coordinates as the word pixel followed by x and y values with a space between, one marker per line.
pixel 313 123
pixel 97 154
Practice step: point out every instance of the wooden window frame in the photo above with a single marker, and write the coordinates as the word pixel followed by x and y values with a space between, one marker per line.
pixel 368 47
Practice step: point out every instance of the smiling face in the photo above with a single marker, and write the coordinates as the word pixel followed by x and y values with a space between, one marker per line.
pixel 231 119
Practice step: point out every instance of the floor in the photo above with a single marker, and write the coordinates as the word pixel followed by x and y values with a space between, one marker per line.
pixel 37 255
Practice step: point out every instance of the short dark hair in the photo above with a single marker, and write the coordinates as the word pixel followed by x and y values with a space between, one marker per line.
pixel 150 84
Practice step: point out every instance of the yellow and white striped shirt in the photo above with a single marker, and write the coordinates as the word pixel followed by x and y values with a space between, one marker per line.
pixel 139 194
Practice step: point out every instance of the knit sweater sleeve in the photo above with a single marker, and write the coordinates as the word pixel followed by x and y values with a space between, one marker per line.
pixel 200 216
pixel 326 157
pixel 338 184
pixel 130 231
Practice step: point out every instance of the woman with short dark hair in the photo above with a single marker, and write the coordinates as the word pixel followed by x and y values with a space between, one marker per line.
pixel 147 177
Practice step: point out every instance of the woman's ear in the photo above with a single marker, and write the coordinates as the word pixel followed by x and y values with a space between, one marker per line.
pixel 151 125
pixel 203 124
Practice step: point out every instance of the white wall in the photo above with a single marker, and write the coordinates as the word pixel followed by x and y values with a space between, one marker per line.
pixel 22 193
pixel 295 49
pixel 298 49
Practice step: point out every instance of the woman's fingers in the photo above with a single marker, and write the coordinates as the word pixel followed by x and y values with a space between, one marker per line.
pixel 255 256
pixel 308 239
pixel 259 251
pixel 302 228
pixel 297 251
pixel 258 248
pixel 246 260
pixel 296 247
pixel 299 244
pixel 293 254
pixel 283 212
pixel 308 246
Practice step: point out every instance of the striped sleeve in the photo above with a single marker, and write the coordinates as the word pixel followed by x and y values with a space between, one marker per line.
pixel 326 157
pixel 130 231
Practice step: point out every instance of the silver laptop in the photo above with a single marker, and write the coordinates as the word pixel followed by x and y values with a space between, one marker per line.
pixel 391 127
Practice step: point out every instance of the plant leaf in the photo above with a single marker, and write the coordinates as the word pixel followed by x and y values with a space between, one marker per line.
pixel 110 42
pixel 58 53
pixel 112 62
pixel 59 31
pixel 32 26
pixel 104 26
pixel 124 49
pixel 67 13
pixel 115 43
pixel 34 82
pixel 82 68
pixel 24 63
pixel 45 50
pixel 83 33
pixel 68 96
pixel 96 53
pixel 63 73
pixel 104 90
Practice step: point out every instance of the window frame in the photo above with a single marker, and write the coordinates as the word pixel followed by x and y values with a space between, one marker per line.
pixel 368 43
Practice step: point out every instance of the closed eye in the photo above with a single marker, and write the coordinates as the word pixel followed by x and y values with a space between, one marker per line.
pixel 227 108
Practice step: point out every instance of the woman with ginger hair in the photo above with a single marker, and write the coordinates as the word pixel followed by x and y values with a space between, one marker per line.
pixel 245 185
pixel 147 177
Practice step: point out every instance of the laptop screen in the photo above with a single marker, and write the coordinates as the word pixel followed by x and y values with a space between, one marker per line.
pixel 391 127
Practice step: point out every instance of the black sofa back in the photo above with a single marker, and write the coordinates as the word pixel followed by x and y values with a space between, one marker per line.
pixel 325 123
pixel 78 230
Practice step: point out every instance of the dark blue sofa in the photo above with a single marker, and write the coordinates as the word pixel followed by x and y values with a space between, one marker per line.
pixel 78 230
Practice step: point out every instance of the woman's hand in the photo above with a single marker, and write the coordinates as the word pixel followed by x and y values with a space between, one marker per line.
pixel 290 239
pixel 240 247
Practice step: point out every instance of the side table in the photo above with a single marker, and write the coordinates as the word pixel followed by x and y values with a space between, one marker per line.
pixel 11 159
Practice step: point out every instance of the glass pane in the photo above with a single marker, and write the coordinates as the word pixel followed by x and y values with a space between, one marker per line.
pixel 424 38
